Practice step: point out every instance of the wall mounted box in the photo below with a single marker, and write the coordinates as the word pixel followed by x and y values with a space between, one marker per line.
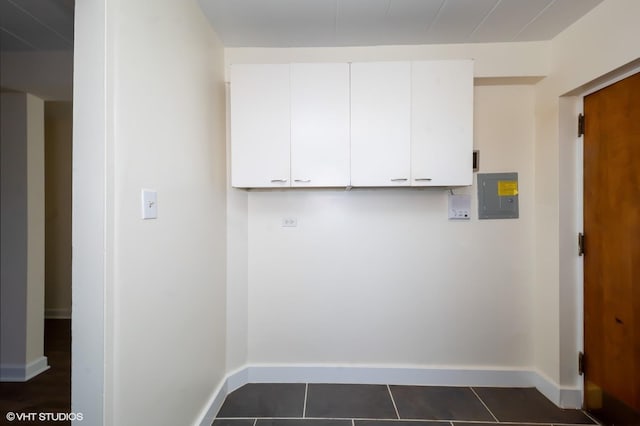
pixel 498 196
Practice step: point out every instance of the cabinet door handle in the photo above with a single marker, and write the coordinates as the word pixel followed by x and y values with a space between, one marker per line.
pixel 399 180
pixel 278 180
pixel 302 180
pixel 423 179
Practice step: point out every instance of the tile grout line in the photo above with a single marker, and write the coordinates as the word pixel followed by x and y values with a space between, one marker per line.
pixel 304 407
pixel 586 413
pixel 393 402
pixel 485 405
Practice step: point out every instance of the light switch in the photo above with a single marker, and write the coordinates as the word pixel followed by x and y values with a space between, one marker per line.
pixel 149 204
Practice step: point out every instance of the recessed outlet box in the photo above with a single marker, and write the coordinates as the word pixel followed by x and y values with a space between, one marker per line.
pixel 289 222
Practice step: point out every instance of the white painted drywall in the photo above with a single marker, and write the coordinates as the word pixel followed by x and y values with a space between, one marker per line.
pixel 92 343
pixel 58 148
pixel 35 228
pixel 491 60
pixel 169 277
pixel 22 251
pixel 149 113
pixel 14 228
pixel 598 44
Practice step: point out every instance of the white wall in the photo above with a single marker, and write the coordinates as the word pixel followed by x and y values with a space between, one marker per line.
pixel 597 45
pixel 156 72
pixel 92 215
pixel 35 227
pixel 380 277
pixel 14 228
pixel 491 60
pixel 58 147
pixel 22 280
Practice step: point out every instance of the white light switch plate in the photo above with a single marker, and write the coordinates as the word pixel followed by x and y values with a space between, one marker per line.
pixel 149 204
pixel 459 207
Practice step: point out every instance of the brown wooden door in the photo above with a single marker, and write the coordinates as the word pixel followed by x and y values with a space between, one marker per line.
pixel 612 246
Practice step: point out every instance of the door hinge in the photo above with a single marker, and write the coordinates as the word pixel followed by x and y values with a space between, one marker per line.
pixel 580 363
pixel 580 244
pixel 580 125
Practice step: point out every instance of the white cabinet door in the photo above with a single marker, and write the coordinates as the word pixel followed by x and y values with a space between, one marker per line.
pixel 380 124
pixel 442 123
pixel 320 124
pixel 260 126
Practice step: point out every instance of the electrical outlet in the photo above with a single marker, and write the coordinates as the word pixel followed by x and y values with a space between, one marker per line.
pixel 289 222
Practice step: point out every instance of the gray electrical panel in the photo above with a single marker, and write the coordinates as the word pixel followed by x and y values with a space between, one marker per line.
pixel 497 195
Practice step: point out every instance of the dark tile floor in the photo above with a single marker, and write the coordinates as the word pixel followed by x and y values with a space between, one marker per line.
pixel 299 404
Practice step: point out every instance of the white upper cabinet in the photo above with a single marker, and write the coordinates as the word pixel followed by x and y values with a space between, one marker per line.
pixel 260 126
pixel 381 124
pixel 361 124
pixel 441 123
pixel 320 125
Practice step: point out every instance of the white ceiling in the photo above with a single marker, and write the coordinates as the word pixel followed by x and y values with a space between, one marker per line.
pixel 312 23
pixel 48 24
pixel 36 25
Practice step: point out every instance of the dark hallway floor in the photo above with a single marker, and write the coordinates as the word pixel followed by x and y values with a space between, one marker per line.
pixel 302 404
pixel 49 392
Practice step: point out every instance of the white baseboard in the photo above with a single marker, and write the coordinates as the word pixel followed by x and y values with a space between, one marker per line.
pixel 237 379
pixel 57 313
pixel 208 414
pixel 23 372
pixel 562 397
pixel 388 375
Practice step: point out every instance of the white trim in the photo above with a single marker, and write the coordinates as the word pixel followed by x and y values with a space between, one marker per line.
pixel 23 372
pixel 230 383
pixel 57 313
pixel 208 414
pixel 611 78
pixel 561 396
pixel 237 379
pixel 388 375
